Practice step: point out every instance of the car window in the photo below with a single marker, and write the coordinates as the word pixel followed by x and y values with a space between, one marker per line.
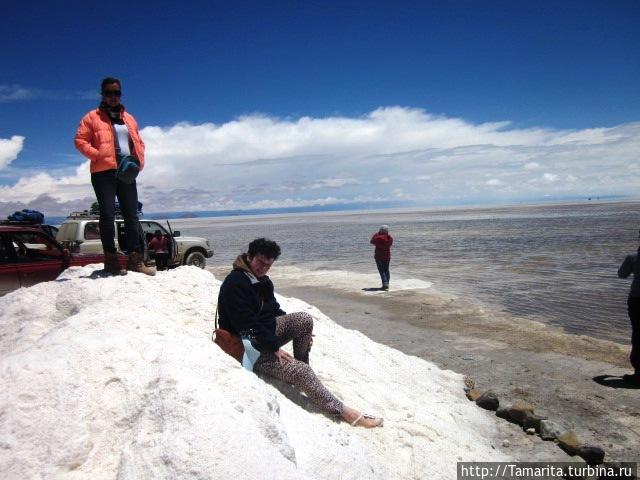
pixel 149 229
pixel 30 247
pixel 92 231
pixel 7 254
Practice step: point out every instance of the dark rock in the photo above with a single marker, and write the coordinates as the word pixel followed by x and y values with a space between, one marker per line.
pixel 488 400
pixel 570 443
pixel 503 412
pixel 592 455
pixel 519 410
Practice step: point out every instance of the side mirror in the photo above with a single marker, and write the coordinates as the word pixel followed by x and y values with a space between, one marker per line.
pixel 176 233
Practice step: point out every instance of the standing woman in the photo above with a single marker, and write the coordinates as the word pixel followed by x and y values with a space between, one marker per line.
pixel 631 265
pixel 108 136
pixel 383 241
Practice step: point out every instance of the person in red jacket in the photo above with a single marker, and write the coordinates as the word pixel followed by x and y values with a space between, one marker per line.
pixel 159 244
pixel 108 136
pixel 383 241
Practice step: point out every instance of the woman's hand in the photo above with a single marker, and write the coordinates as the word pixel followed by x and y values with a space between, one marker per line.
pixel 283 357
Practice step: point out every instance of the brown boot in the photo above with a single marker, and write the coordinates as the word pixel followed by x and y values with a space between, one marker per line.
pixel 136 264
pixel 112 265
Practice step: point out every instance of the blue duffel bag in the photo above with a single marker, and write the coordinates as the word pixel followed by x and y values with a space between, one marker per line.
pixel 26 215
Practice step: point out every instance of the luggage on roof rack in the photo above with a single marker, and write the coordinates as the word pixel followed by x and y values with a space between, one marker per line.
pixel 26 216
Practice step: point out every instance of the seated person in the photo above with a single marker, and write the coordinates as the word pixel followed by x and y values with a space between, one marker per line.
pixel 247 307
pixel 159 244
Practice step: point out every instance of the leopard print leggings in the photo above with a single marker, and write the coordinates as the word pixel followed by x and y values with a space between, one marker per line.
pixel 298 327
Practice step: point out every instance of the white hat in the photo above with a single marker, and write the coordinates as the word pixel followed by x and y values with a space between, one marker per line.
pixel 384 228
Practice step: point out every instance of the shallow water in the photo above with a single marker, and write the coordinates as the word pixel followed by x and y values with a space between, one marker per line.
pixel 553 263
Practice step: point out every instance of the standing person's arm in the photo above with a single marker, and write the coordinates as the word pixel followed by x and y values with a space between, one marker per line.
pixel 626 268
pixel 390 240
pixel 83 138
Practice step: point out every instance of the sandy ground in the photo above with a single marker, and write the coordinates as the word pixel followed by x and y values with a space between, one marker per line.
pixel 573 380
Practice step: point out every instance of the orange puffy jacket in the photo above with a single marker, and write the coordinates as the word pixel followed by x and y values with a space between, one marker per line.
pixel 96 141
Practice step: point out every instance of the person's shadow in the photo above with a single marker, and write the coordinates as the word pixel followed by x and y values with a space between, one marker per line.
pixel 372 289
pixel 296 396
pixel 614 381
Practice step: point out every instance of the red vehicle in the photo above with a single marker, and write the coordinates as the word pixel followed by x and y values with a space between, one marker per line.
pixel 29 256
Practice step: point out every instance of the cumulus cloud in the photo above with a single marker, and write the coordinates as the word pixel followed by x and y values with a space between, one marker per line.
pixel 257 161
pixel 9 149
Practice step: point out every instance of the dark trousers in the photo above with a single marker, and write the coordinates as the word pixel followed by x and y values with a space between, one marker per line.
pixel 383 269
pixel 107 188
pixel 634 315
pixel 162 259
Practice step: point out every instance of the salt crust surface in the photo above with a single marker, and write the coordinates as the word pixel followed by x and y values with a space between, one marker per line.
pixel 117 378
pixel 345 280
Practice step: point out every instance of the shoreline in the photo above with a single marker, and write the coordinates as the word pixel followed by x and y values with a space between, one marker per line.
pixel 552 370
pixel 518 359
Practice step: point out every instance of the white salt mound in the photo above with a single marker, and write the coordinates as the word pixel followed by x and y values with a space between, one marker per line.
pixel 117 378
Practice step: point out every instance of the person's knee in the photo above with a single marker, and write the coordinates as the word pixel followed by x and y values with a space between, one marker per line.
pixel 301 374
pixel 306 321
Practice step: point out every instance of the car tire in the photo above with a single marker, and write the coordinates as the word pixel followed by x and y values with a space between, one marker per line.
pixel 196 258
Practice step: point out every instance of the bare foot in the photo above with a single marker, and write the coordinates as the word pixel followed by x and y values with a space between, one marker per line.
pixel 357 419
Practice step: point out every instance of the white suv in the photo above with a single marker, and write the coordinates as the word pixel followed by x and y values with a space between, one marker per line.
pixel 80 232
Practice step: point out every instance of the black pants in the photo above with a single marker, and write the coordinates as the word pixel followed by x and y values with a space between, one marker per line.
pixel 383 270
pixel 107 188
pixel 162 259
pixel 634 315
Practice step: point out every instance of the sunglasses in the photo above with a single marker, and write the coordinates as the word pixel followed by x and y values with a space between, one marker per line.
pixel 111 93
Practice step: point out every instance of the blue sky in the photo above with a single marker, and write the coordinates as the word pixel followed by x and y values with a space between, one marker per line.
pixel 275 104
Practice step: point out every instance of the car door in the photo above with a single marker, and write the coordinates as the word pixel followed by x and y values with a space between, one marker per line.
pixel 149 228
pixel 38 257
pixel 9 276
pixel 91 237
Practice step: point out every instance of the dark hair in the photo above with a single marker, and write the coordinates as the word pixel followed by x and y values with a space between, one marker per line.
pixel 109 81
pixel 157 232
pixel 263 246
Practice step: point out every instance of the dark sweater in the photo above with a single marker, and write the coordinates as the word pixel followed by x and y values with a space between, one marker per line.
pixel 629 266
pixel 248 307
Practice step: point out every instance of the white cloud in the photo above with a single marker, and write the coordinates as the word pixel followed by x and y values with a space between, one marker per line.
pixel 9 149
pixel 14 93
pixel 332 183
pixel 258 160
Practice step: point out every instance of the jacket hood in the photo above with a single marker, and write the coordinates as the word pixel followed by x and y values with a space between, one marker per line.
pixel 241 263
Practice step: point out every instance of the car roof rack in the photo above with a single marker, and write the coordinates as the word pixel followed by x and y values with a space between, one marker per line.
pixel 95 216
pixel 83 214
